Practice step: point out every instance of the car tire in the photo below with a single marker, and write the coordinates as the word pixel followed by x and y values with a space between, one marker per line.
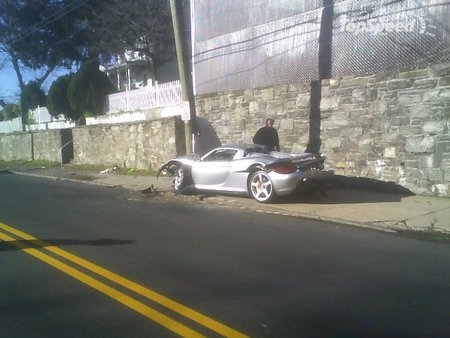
pixel 182 179
pixel 260 187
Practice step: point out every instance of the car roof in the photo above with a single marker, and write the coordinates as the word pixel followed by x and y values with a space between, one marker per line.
pixel 256 147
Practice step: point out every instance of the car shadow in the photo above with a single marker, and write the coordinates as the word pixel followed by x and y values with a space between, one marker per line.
pixel 344 189
pixel 339 190
pixel 40 244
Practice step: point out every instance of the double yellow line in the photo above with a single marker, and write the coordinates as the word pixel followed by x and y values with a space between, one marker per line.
pixel 16 238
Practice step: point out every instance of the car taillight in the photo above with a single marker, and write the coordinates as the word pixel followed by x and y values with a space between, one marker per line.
pixel 286 168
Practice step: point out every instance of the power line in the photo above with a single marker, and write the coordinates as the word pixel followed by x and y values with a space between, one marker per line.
pixel 63 11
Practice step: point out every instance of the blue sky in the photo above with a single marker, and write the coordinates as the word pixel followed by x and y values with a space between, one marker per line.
pixel 9 86
pixel 8 83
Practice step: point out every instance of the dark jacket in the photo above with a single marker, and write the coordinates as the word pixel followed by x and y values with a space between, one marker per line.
pixel 267 136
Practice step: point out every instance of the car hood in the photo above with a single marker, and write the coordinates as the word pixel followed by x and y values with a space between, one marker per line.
pixel 186 159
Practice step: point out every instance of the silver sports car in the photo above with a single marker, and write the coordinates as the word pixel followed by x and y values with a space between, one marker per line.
pixel 246 169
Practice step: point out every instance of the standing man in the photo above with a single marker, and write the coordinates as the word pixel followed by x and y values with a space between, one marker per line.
pixel 268 136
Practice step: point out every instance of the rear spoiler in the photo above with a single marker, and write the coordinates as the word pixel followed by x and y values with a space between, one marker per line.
pixel 308 158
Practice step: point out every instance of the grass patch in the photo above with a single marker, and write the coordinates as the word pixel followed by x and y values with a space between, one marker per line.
pixel 136 172
pixel 28 164
pixel 88 168
pixel 114 170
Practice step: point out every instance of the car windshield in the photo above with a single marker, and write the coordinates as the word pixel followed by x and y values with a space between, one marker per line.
pixel 221 155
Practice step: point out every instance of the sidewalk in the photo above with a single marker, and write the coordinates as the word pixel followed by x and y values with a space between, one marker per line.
pixel 358 206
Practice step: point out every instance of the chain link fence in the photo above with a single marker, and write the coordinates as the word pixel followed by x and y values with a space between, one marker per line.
pixel 259 43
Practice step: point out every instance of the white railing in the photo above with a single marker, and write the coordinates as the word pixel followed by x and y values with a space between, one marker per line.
pixel 159 95
pixel 11 126
pixel 133 105
pixel 64 124
pixel 40 115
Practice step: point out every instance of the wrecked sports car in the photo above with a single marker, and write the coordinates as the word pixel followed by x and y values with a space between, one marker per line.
pixel 247 169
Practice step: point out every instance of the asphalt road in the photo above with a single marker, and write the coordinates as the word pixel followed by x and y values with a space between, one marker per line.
pixel 80 260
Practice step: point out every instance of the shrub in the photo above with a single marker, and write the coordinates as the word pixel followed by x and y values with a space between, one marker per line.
pixel 31 97
pixel 10 111
pixel 87 90
pixel 57 99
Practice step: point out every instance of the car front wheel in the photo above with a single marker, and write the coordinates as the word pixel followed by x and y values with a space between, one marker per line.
pixel 261 187
pixel 182 179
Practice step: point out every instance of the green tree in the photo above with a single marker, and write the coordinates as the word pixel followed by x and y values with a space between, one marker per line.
pixel 31 97
pixel 46 34
pixel 42 35
pixel 10 111
pixel 142 26
pixel 57 99
pixel 87 90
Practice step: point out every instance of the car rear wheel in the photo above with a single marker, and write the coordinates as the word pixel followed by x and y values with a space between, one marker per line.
pixel 261 187
pixel 182 179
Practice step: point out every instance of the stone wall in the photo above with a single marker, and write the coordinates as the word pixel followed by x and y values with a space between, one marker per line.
pixel 15 146
pixel 237 115
pixel 27 146
pixel 144 145
pixel 391 127
pixel 47 145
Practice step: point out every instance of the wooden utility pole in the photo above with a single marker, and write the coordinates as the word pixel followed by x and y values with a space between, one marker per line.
pixel 183 68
